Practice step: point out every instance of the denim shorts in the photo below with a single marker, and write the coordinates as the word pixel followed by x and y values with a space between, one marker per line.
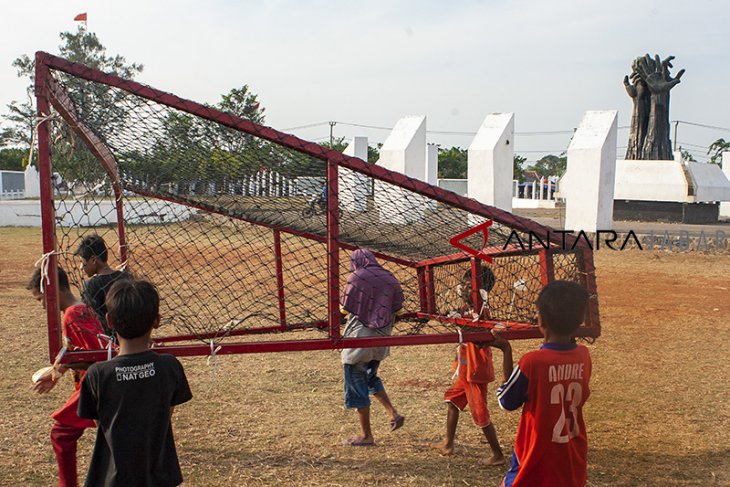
pixel 360 381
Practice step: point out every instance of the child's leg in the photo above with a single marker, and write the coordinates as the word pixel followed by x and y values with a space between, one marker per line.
pixel 364 416
pixel 63 439
pixel 376 388
pixel 446 446
pixel 356 397
pixel 477 395
pixel 497 458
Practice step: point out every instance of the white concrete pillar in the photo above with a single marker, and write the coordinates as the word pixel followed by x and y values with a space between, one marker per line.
pixel 490 164
pixel 404 151
pixel 592 169
pixel 432 162
pixel 32 182
pixel 354 186
pixel 725 205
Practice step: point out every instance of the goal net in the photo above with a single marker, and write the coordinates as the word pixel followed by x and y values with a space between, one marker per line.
pixel 247 232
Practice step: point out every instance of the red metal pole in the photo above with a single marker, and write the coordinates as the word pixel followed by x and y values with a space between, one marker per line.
pixel 422 289
pixel 585 265
pixel 430 290
pixel 279 277
pixel 48 213
pixel 333 250
pixel 547 267
pixel 475 300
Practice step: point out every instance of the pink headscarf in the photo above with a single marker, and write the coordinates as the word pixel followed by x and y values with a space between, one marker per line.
pixel 372 293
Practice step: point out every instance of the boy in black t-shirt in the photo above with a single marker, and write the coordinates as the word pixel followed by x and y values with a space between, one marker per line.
pixel 132 397
pixel 94 256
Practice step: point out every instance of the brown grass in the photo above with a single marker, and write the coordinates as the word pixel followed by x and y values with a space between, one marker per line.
pixel 658 414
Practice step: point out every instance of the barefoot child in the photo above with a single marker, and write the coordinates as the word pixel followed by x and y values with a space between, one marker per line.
pixel 474 370
pixel 81 331
pixel 551 386
pixel 132 396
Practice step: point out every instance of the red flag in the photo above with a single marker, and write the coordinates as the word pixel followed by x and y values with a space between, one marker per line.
pixel 80 17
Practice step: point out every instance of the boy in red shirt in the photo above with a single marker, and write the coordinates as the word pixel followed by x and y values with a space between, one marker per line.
pixel 552 386
pixel 474 370
pixel 81 331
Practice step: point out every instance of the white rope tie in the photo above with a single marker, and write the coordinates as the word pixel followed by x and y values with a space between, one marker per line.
pixel 458 354
pixel 34 133
pixel 43 263
pixel 109 344
pixel 212 361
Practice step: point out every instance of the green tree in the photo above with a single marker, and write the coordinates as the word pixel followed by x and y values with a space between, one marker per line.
pixel 99 106
pixel 452 163
pixel 518 172
pixel 716 149
pixel 686 156
pixel 550 165
pixel 13 159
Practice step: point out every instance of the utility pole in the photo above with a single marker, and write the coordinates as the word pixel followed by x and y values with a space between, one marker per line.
pixel 676 125
pixel 332 137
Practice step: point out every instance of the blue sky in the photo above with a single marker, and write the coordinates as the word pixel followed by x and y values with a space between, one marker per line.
pixel 372 62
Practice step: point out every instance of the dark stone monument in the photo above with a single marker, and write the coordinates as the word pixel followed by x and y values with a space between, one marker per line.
pixel 648 86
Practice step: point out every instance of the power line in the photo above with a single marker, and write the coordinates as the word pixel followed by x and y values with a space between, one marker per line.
pixel 725 129
pixel 305 126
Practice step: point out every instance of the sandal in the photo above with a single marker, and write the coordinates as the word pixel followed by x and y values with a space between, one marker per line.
pixel 397 422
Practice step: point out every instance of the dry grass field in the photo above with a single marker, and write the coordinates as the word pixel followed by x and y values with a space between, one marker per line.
pixel 659 413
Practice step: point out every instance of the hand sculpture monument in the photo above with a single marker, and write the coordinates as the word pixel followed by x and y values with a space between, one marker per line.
pixel 648 86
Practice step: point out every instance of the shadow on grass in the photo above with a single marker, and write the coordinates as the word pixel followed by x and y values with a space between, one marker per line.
pixel 402 464
pixel 621 468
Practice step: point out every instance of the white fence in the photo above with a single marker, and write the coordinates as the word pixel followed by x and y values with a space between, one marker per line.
pixel 12 185
pixel 544 189
pixel 12 194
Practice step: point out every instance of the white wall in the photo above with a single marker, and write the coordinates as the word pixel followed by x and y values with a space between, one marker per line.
pixel 404 151
pixel 353 186
pixel 725 206
pixel 490 165
pixel 650 181
pixel 32 182
pixel 27 213
pixel 589 187
pixel 710 183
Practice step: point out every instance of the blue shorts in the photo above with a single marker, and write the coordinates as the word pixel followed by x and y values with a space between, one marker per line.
pixel 360 381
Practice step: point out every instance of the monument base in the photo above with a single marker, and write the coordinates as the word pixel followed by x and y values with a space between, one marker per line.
pixel 666 211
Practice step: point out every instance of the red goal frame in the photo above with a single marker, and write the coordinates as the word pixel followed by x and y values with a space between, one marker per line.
pixel 49 93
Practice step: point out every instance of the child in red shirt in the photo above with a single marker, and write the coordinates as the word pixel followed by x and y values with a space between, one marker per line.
pixel 551 386
pixel 473 370
pixel 81 331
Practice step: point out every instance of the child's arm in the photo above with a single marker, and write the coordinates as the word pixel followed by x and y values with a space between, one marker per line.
pixel 501 343
pixel 513 393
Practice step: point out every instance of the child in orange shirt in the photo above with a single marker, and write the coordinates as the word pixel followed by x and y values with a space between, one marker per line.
pixel 473 371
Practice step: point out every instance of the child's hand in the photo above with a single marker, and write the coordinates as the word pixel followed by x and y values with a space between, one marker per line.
pixel 499 341
pixel 44 385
